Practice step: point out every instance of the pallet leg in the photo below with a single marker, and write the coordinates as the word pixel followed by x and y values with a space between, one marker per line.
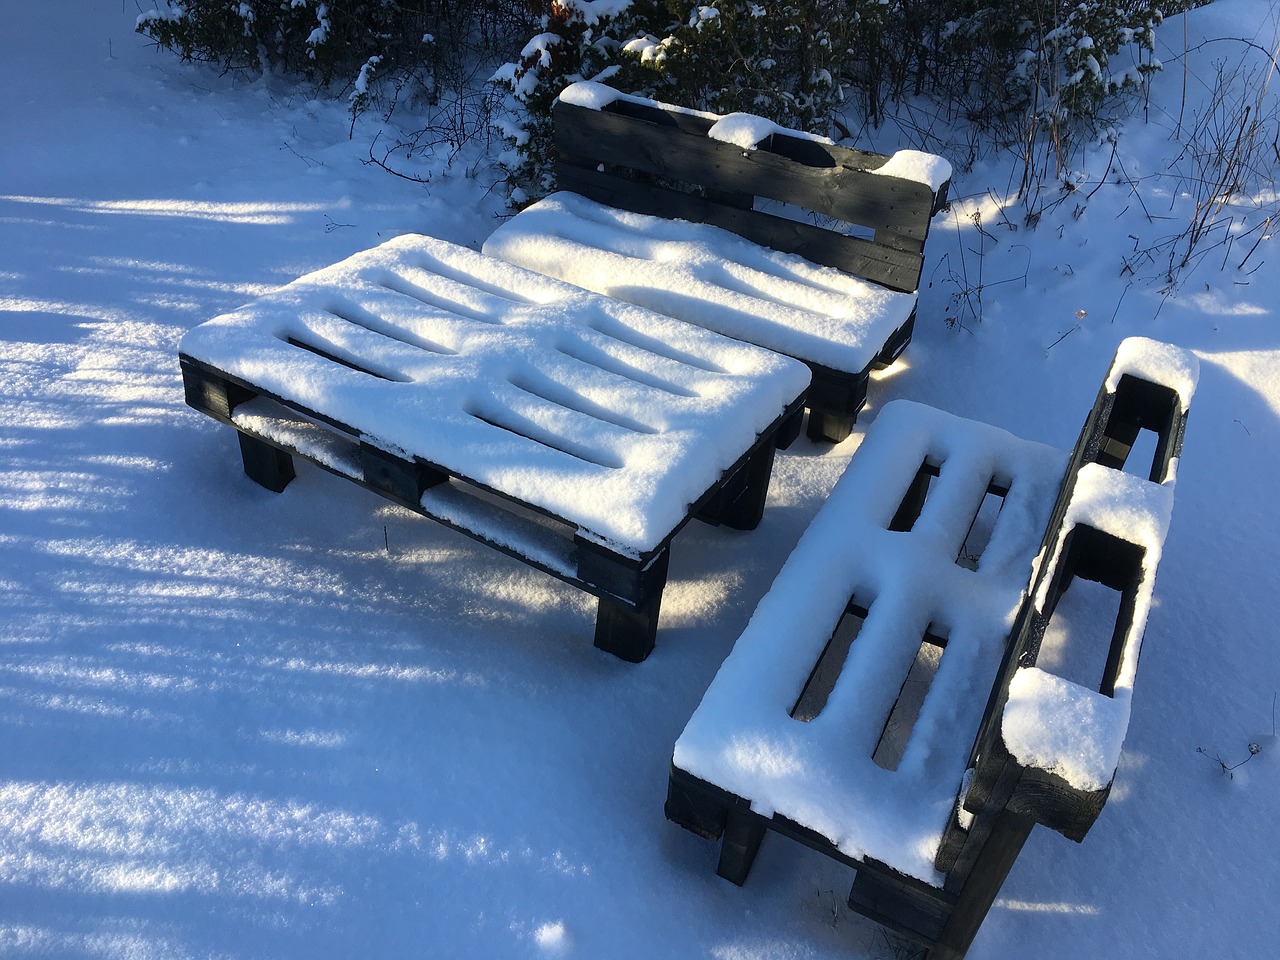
pixel 835 400
pixel 789 430
pixel 747 509
pixel 896 343
pixel 264 464
pixel 983 883
pixel 828 427
pixel 739 503
pixel 629 633
pixel 739 846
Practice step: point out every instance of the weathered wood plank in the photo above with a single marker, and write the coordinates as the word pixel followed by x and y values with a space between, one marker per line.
pixel 984 881
pixel 880 202
pixel 903 904
pixel 804 150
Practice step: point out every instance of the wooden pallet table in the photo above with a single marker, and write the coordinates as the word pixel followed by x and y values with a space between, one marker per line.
pixel 902 700
pixel 761 233
pixel 574 432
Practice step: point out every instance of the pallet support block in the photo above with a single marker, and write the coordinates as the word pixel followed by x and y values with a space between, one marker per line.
pixel 629 633
pixel 835 400
pixel 739 503
pixel 397 478
pixel 212 395
pixel 265 464
pixel 897 343
pixel 630 598
pixel 738 847
pixel 905 906
pixel 789 430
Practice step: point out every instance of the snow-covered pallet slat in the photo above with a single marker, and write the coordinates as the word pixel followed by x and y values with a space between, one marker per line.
pixel 905 698
pixel 762 233
pixel 574 432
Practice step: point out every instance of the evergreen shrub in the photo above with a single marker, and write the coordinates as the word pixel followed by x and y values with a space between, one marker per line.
pixel 1030 72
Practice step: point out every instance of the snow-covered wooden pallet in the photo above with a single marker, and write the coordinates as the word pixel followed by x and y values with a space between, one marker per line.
pixel 572 431
pixel 904 698
pixel 716 220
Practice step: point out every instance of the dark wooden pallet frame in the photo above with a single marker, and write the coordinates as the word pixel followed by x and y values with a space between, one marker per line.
pixel 629 588
pixel 1003 798
pixel 662 163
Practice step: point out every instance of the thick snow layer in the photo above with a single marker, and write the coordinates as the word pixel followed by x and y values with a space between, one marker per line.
pixel 591 95
pixel 1157 362
pixel 592 10
pixel 602 413
pixel 1134 510
pixel 927 168
pixel 821 773
pixel 746 130
pixel 743 130
pixel 708 276
pixel 1064 728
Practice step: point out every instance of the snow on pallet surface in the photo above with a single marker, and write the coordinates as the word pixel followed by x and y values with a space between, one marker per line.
pixel 1053 724
pixel 601 413
pixel 820 772
pixel 709 276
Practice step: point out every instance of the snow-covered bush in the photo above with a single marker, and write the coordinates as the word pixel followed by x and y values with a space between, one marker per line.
pixel 1036 73
pixel 323 39
pixel 1054 55
pixel 1030 72
pixel 576 40
pixel 355 45
pixel 783 60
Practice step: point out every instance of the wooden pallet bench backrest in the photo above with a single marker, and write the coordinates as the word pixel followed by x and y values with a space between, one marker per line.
pixel 649 158
pixel 1126 404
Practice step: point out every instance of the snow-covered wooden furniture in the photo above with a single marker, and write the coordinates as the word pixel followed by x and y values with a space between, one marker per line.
pixel 572 431
pixel 661 206
pixel 904 698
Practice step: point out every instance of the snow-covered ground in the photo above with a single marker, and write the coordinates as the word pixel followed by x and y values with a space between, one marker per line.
pixel 237 724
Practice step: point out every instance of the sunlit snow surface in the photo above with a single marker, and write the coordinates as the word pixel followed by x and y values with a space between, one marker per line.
pixel 389 741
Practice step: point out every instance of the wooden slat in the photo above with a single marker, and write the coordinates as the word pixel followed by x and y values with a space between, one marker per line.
pixel 893 268
pixel 686 122
pixel 901 903
pixel 813 153
pixel 983 884
pixel 880 202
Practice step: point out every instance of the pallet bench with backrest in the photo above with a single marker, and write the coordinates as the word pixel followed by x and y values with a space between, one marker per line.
pixel 761 233
pixel 903 699
pixel 572 431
